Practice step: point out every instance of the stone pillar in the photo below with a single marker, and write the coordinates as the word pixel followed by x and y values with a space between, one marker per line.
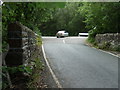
pixel 18 44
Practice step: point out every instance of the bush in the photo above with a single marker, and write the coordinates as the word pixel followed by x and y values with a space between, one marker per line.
pixel 116 48
pixel 91 40
pixel 105 46
pixel 91 37
pixel 92 33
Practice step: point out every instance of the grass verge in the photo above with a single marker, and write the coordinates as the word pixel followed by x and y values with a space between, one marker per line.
pixel 105 46
pixel 35 78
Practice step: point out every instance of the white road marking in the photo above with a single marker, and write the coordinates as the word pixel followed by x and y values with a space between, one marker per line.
pixel 77 37
pixel 48 37
pixel 51 71
pixel 64 41
pixel 109 53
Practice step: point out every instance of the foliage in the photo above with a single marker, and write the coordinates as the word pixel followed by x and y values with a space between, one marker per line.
pixel 74 17
pixel 4 46
pixel 65 18
pixel 39 41
pixel 32 70
pixel 92 33
pixel 48 18
pixel 105 45
pixel 35 77
pixel 117 49
pixel 13 71
pixel 30 14
pixel 20 68
pixel 101 17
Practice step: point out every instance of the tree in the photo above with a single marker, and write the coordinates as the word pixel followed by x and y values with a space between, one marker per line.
pixel 30 14
pixel 101 17
pixel 67 18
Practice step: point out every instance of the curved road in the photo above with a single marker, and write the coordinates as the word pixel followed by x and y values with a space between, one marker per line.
pixel 77 65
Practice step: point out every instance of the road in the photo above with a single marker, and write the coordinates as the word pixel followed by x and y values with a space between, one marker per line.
pixel 77 65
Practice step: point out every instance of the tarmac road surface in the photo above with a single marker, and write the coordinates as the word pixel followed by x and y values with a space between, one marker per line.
pixel 77 65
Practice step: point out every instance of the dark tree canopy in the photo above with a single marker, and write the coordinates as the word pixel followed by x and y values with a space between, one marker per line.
pixel 48 18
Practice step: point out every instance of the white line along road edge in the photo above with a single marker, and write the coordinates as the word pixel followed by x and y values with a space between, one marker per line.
pixel 51 71
pixel 105 51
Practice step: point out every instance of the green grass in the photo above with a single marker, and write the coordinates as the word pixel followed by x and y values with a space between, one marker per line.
pixel 39 41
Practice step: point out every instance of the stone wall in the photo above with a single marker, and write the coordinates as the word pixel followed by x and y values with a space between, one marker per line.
pixel 22 44
pixel 108 40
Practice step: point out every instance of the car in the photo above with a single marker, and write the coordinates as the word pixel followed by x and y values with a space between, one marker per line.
pixel 83 34
pixel 62 34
